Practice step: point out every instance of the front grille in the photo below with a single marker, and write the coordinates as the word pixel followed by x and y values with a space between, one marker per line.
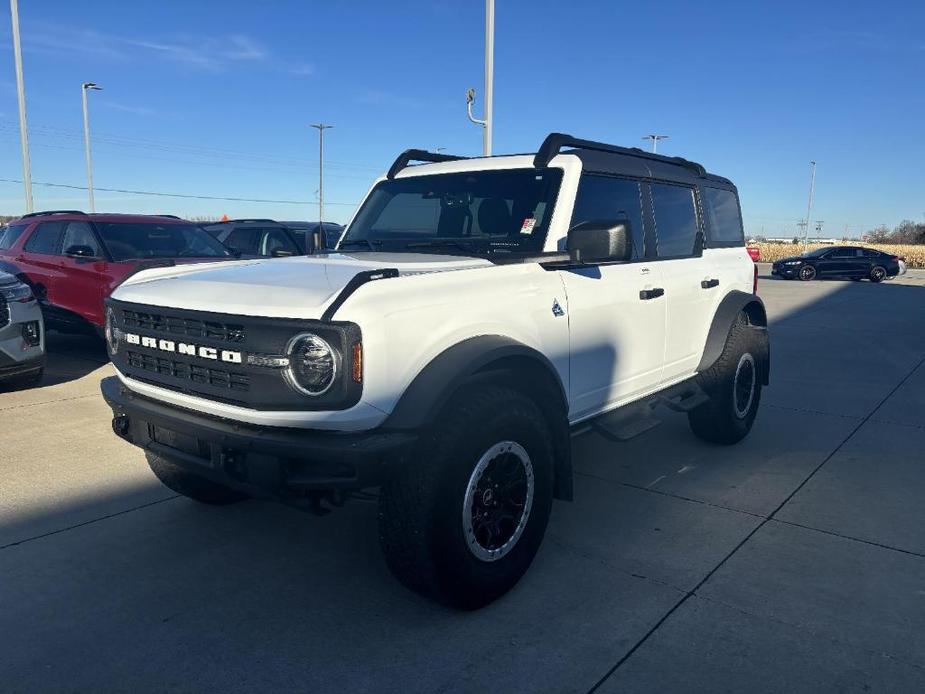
pixel 185 327
pixel 217 378
pixel 4 313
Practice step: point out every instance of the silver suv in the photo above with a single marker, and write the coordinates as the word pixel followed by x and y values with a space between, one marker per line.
pixel 22 334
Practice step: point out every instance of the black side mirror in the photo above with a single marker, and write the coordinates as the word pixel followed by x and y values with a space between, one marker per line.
pixel 78 251
pixel 600 241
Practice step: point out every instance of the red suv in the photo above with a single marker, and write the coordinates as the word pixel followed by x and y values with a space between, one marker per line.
pixel 74 260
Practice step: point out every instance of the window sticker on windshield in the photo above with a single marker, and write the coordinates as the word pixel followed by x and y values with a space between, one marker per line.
pixel 527 226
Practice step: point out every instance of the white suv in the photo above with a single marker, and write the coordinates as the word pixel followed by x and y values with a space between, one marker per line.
pixel 475 313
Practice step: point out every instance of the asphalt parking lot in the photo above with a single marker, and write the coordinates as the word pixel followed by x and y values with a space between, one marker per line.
pixel 794 561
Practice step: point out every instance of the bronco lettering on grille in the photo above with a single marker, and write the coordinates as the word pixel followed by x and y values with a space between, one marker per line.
pixel 185 348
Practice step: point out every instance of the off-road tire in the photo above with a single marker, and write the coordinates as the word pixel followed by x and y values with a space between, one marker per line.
pixel 421 524
pixel 718 420
pixel 197 488
pixel 877 274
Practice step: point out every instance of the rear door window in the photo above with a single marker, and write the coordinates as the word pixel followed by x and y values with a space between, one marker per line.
pixel 244 240
pixel 46 239
pixel 675 220
pixel 10 235
pixel 278 240
pixel 609 198
pixel 725 221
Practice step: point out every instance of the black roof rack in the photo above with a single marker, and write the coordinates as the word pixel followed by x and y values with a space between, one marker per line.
pixel 171 216
pixel 39 214
pixel 554 142
pixel 262 221
pixel 410 155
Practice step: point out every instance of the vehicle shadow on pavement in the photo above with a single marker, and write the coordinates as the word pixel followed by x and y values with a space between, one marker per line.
pixel 161 592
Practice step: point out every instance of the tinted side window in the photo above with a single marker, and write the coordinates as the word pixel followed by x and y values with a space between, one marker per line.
pixel 79 234
pixel 244 240
pixel 675 219
pixel 845 253
pixel 867 253
pixel 10 235
pixel 46 239
pixel 722 210
pixel 605 197
pixel 277 240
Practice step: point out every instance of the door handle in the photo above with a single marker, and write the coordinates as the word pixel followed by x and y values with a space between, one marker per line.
pixel 647 294
pixel 709 284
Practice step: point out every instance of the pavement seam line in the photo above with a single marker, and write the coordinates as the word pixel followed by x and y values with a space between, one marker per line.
pixel 849 537
pixel 89 522
pixel 47 402
pixel 700 584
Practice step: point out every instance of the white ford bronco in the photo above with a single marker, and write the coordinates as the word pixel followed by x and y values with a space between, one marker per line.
pixel 474 314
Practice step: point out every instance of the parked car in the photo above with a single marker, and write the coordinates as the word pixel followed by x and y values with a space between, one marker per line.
pixel 22 334
pixel 73 261
pixel 848 262
pixel 477 312
pixel 255 238
pixel 330 233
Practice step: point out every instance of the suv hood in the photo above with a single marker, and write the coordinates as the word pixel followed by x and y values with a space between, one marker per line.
pixel 297 287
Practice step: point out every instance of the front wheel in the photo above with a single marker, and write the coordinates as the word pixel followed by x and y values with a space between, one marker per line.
pixel 877 274
pixel 462 522
pixel 807 273
pixel 197 488
pixel 734 386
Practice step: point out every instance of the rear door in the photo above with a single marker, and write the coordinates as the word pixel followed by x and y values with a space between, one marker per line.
pixel 78 287
pixel 616 314
pixel 39 257
pixel 688 276
pixel 843 261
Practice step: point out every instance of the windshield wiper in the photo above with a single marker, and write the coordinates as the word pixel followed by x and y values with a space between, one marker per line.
pixel 372 245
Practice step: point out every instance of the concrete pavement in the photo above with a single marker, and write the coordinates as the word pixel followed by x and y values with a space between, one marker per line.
pixel 793 561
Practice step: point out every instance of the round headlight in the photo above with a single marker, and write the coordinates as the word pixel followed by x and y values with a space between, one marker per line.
pixel 312 364
pixel 112 340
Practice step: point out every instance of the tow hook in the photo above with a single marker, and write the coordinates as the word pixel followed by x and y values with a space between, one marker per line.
pixel 120 426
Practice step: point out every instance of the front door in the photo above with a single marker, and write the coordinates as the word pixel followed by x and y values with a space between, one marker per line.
pixel 616 311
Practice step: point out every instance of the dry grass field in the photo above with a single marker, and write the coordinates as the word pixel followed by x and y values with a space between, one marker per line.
pixel 914 254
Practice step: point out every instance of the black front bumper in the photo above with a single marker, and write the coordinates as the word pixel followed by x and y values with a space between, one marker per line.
pixel 10 369
pixel 283 463
pixel 784 271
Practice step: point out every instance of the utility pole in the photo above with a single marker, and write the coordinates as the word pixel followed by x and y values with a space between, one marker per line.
pixel 486 122
pixel 84 88
pixel 21 94
pixel 809 210
pixel 321 128
pixel 655 139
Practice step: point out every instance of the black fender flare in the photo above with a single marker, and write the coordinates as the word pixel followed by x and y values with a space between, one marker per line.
pixel 734 303
pixel 494 358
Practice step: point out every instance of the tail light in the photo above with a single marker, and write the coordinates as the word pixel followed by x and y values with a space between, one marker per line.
pixel 755 281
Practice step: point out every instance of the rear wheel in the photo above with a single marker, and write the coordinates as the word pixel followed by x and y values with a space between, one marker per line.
pixel 197 488
pixel 807 273
pixel 877 273
pixel 734 386
pixel 462 522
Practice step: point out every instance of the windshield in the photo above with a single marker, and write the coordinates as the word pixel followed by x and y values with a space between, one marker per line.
pixel 474 213
pixel 131 241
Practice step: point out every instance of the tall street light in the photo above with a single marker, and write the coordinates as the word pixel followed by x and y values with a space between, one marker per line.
pixel 809 209
pixel 321 128
pixel 486 122
pixel 84 88
pixel 21 94
pixel 655 139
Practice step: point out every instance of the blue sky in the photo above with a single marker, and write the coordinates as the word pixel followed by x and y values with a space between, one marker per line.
pixel 214 98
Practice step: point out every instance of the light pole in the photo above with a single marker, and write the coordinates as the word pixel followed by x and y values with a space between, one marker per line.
pixel 84 88
pixel 21 94
pixel 321 128
pixel 809 209
pixel 486 122
pixel 655 139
